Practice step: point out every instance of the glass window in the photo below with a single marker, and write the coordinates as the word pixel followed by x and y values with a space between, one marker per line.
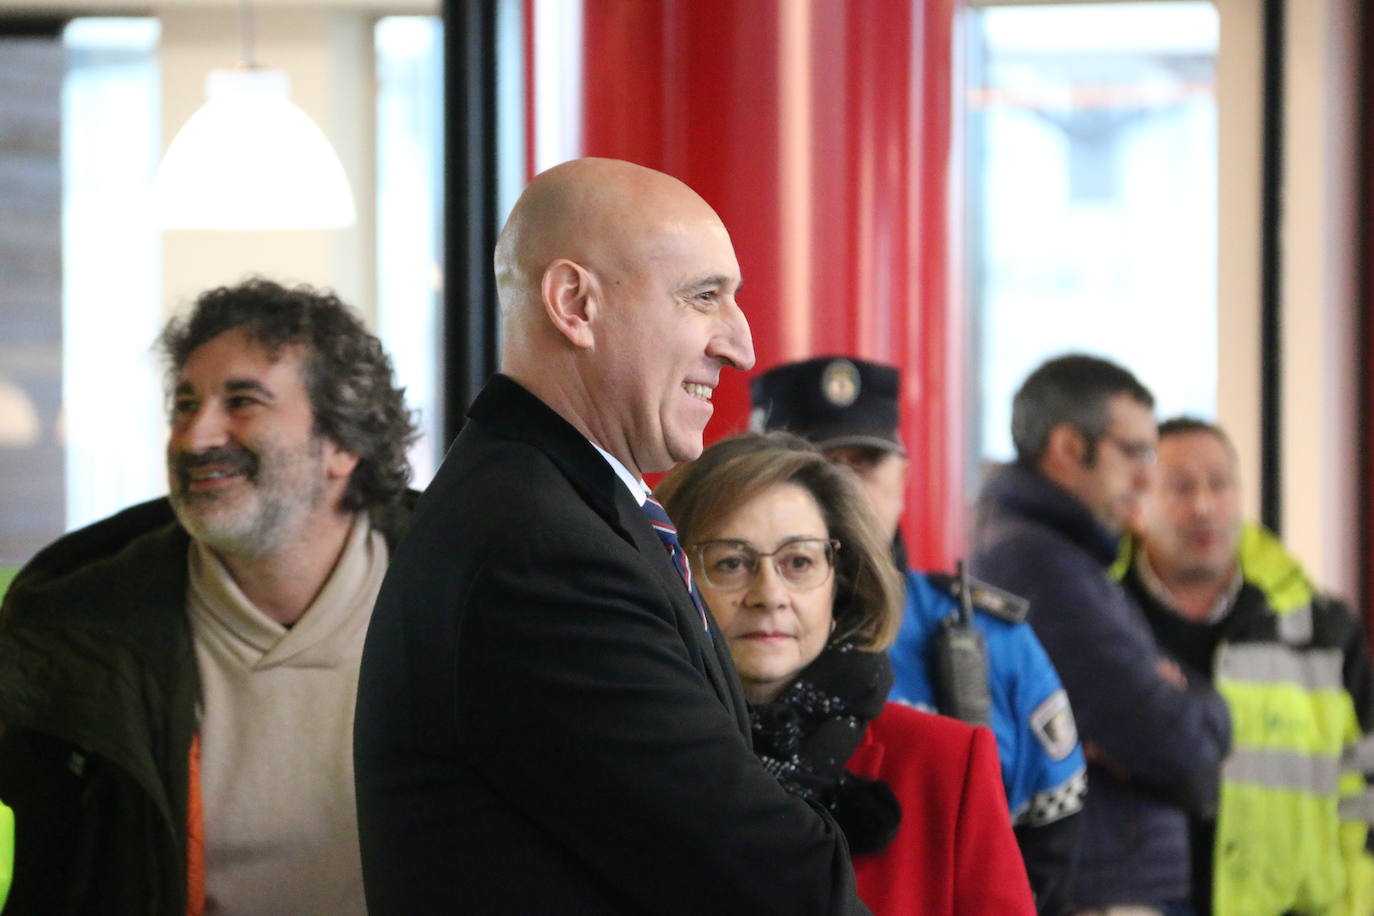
pixel 113 404
pixel 410 204
pixel 1092 171
pixel 80 394
pixel 32 501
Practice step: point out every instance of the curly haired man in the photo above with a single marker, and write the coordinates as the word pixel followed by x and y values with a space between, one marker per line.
pixel 178 679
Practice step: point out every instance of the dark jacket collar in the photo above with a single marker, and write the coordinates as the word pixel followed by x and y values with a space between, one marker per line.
pixel 510 410
pixel 1023 491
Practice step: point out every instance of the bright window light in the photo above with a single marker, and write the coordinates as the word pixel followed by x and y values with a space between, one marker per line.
pixel 1093 190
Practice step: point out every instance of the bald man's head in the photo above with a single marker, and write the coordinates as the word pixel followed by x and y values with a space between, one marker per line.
pixel 617 287
pixel 592 211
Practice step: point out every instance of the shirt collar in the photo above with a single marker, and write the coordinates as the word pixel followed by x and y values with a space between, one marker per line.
pixel 1156 587
pixel 638 490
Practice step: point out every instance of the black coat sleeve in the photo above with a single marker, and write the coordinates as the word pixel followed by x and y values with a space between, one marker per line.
pixel 1107 658
pixel 1051 853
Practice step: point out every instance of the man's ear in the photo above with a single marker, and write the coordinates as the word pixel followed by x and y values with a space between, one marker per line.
pixel 340 463
pixel 568 292
pixel 1067 448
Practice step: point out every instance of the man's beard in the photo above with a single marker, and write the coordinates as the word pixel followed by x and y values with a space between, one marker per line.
pixel 281 486
pixel 1194 570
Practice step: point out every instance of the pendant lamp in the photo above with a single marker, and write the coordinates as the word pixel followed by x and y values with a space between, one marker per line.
pixel 250 159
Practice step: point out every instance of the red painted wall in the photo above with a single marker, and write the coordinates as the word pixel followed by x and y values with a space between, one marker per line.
pixel 822 132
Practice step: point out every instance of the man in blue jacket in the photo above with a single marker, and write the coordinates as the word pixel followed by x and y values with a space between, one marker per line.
pixel 1047 527
pixel 848 407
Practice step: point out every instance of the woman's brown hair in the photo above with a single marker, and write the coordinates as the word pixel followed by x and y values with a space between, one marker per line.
pixel 701 494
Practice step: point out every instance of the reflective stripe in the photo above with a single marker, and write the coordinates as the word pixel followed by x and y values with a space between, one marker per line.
pixel 1266 663
pixel 1283 770
pixel 1295 627
pixel 1361 757
pixel 1357 807
pixel 6 852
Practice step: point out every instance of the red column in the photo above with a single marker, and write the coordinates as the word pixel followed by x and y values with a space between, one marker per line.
pixel 822 132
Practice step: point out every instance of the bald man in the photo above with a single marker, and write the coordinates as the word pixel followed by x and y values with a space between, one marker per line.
pixel 547 720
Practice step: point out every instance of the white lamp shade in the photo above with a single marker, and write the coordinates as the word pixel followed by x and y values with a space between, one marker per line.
pixel 250 159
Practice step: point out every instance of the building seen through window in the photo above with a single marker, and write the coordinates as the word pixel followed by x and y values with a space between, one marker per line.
pixel 1092 193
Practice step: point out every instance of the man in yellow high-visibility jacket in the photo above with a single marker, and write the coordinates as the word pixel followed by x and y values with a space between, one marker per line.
pixel 1229 603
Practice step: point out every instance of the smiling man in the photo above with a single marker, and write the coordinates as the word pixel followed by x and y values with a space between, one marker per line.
pixel 177 681
pixel 1047 529
pixel 548 721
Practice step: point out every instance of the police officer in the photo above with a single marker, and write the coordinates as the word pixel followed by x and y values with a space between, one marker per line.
pixel 964 648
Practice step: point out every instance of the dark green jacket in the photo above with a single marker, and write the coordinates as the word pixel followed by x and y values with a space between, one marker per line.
pixel 98 691
pixel 97 695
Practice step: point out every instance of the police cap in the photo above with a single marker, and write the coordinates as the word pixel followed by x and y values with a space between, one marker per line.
pixel 833 401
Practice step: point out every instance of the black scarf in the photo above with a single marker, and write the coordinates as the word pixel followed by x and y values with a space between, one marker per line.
pixel 807 734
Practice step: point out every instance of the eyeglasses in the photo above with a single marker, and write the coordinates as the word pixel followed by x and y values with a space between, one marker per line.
pixel 803 564
pixel 1137 451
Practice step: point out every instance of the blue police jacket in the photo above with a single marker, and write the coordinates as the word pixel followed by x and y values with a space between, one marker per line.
pixel 1042 763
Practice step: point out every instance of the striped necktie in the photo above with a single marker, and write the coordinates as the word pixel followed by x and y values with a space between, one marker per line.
pixel 667 533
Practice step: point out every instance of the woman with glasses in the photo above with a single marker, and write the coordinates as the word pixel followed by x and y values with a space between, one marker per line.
pixel 789 558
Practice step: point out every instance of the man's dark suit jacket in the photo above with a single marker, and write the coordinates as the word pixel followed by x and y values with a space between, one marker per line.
pixel 542 724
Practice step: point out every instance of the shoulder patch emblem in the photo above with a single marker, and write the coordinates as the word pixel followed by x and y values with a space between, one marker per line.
pixel 840 383
pixel 1053 725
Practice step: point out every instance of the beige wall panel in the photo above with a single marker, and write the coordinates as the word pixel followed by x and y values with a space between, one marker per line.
pixel 1320 436
pixel 1240 87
